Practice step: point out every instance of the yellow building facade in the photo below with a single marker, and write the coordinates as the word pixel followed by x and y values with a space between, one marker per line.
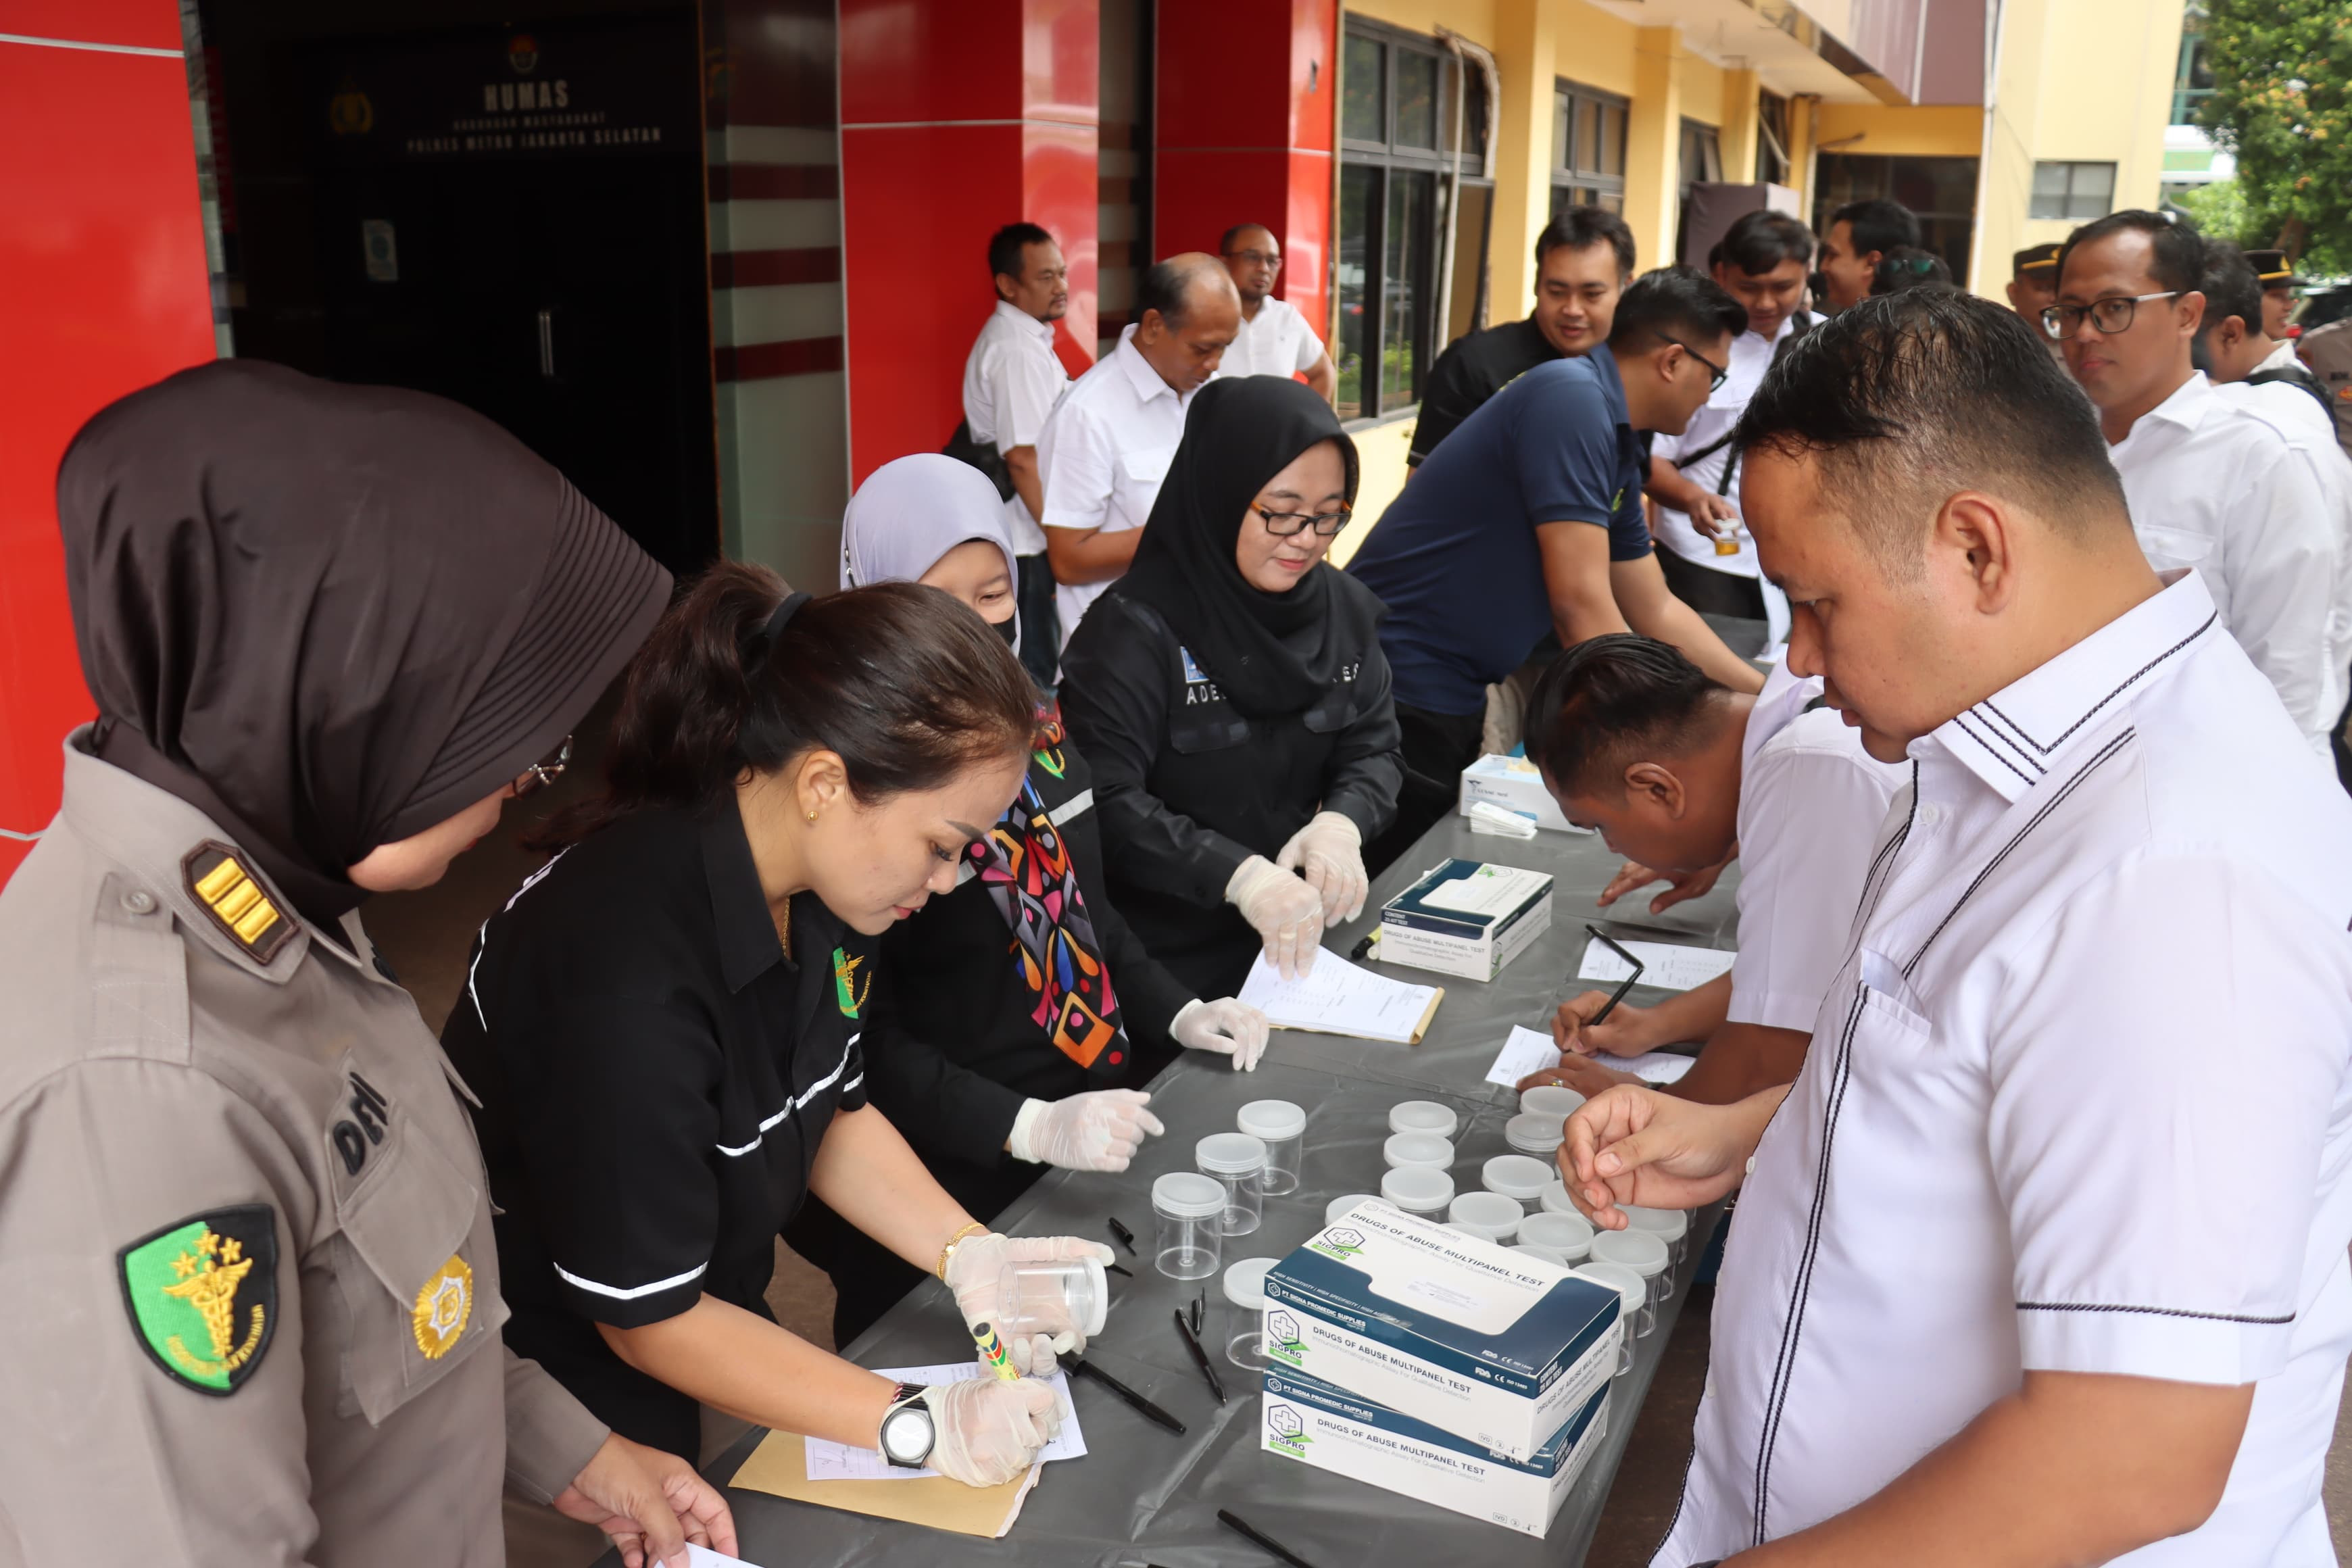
pixel 1955 107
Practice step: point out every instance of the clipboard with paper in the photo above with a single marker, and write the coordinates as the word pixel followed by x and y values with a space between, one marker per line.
pixel 1337 998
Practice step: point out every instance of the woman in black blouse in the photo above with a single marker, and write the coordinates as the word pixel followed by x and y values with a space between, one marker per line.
pixel 1016 1016
pixel 667 1019
pixel 1231 693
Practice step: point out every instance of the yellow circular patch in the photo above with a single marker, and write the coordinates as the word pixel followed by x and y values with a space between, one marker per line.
pixel 444 1307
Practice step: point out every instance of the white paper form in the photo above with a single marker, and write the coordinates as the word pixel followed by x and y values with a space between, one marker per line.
pixel 1530 1051
pixel 1488 891
pixel 1652 1067
pixel 1666 966
pixel 1338 998
pixel 1525 1051
pixel 703 1557
pixel 839 1462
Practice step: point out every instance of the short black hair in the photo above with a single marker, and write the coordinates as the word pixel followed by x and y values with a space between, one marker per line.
pixel 1005 246
pixel 2231 286
pixel 1909 267
pixel 1677 303
pixel 1579 227
pixel 2178 258
pixel 1225 245
pixel 1167 286
pixel 1763 239
pixel 1615 699
pixel 1908 398
pixel 1876 225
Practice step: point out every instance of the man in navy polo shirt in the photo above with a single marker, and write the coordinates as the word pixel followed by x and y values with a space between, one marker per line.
pixel 1527 521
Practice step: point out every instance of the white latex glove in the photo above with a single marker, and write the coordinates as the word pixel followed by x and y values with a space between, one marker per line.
pixel 1285 910
pixel 1329 853
pixel 1098 1131
pixel 1228 1027
pixel 976 1274
pixel 987 1430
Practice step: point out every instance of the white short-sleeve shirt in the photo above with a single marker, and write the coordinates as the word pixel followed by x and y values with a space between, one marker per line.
pixel 1278 342
pixel 1810 802
pixel 1010 380
pixel 1752 356
pixel 1102 454
pixel 2213 484
pixel 2076 1103
pixel 2311 432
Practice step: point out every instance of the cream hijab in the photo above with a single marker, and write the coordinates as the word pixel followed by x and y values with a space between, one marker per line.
pixel 912 510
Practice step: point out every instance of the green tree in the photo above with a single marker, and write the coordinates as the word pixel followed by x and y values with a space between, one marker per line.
pixel 2282 103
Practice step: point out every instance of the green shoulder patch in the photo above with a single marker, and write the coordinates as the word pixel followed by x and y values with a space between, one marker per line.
pixel 847 991
pixel 203 1294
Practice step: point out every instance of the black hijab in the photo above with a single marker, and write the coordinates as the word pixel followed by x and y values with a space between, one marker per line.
pixel 1271 654
pixel 331 616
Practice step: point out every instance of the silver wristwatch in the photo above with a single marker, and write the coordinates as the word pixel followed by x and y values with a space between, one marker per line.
pixel 909 1433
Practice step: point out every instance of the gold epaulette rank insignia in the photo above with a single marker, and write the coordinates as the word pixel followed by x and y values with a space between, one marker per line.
pixel 234 899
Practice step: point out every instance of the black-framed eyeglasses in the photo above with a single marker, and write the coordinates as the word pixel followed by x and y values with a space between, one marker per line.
pixel 2111 315
pixel 1283 524
pixel 538 776
pixel 1717 374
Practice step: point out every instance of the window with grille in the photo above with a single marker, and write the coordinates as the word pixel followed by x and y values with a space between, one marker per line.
pixel 1588 148
pixel 2072 190
pixel 1405 106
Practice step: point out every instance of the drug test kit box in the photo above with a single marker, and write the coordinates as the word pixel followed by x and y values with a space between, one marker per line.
pixel 1466 917
pixel 1516 785
pixel 1309 1420
pixel 1473 1339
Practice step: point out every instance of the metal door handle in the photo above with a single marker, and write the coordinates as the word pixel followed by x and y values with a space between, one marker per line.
pixel 547 344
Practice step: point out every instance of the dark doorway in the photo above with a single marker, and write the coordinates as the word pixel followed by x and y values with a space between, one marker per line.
pixel 509 214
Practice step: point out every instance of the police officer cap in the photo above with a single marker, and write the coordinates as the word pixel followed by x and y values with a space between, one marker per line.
pixel 2271 267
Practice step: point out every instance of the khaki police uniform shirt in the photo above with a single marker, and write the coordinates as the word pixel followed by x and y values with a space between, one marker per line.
pixel 251 1293
pixel 2327 351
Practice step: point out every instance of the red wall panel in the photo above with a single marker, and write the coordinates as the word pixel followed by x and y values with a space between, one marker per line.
pixel 102 260
pixel 139 24
pixel 923 188
pixel 1243 133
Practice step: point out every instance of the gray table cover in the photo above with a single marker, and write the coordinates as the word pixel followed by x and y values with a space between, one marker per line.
pixel 1145 1496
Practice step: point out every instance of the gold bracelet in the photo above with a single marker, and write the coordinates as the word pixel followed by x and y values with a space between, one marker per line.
pixel 947 1253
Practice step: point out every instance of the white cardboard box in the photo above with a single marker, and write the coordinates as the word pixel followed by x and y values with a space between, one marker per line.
pixel 1316 1423
pixel 1488 1345
pixel 1466 917
pixel 1516 785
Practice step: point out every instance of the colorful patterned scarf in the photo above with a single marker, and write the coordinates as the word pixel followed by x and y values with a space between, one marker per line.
pixel 1026 868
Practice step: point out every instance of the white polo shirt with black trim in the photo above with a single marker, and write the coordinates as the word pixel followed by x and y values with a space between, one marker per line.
pixel 655 1078
pixel 2077 1101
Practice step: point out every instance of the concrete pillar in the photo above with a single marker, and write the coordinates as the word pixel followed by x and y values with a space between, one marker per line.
pixel 1526 35
pixel 1738 134
pixel 1654 145
pixel 957 117
pixel 1243 103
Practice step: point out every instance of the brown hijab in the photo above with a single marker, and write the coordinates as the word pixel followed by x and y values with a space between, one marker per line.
pixel 331 616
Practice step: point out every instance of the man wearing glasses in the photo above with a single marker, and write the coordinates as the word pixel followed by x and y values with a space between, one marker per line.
pixel 1275 338
pixel 1527 521
pixel 2212 483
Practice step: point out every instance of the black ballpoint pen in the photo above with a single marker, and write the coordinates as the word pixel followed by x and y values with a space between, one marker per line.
pixel 1200 1356
pixel 1624 986
pixel 1227 1517
pixel 1150 1411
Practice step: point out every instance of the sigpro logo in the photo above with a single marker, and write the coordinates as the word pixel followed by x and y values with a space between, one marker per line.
pixel 1285 1430
pixel 1342 1244
pixel 1282 1338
